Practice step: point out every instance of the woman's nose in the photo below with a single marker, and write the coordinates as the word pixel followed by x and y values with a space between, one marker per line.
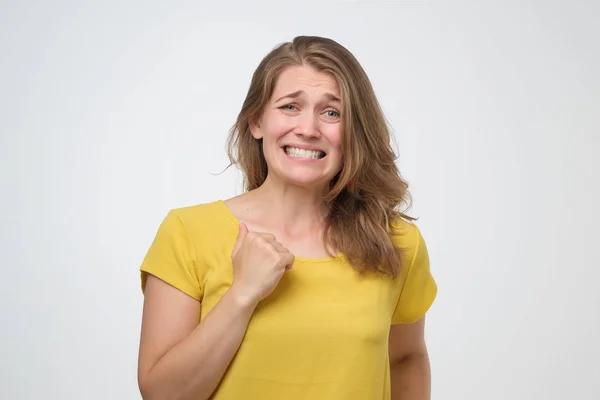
pixel 308 126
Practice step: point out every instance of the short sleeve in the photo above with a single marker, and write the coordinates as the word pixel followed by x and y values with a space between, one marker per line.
pixel 172 258
pixel 419 289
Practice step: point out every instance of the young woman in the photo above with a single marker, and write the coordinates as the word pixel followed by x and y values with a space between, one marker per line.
pixel 310 285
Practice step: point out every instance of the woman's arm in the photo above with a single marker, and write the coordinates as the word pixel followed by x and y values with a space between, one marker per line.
pixel 179 357
pixel 409 362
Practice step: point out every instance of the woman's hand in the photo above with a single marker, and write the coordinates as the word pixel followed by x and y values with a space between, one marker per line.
pixel 259 262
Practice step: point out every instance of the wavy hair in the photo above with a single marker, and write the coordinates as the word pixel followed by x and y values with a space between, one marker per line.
pixel 366 196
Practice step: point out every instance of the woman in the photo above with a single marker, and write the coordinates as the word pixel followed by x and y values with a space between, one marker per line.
pixel 310 285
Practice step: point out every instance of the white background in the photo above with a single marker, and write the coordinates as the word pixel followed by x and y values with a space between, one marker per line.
pixel 114 112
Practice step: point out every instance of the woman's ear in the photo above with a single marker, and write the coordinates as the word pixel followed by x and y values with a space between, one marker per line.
pixel 254 127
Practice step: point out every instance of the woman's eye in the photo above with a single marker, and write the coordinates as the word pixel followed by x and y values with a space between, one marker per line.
pixel 288 107
pixel 332 113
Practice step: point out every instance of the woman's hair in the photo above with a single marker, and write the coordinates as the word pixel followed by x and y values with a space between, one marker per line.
pixel 365 196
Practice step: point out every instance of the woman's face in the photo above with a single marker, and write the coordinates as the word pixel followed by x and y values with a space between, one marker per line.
pixel 301 128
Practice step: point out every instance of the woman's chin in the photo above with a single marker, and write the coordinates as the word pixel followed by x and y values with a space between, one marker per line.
pixel 306 181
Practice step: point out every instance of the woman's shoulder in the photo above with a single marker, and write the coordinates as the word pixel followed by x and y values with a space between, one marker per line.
pixel 197 210
pixel 404 230
pixel 407 236
pixel 203 218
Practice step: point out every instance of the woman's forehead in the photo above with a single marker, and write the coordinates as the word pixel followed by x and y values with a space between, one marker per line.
pixel 303 80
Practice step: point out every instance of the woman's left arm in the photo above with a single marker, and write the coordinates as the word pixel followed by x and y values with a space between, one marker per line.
pixel 409 362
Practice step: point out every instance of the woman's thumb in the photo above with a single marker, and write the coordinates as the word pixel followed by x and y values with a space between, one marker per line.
pixel 243 231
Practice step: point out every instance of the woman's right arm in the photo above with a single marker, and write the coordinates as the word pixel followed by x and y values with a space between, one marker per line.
pixel 179 358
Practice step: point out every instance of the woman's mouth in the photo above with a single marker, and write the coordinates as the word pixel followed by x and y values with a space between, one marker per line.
pixel 296 152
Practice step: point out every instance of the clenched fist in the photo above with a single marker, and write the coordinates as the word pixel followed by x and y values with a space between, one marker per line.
pixel 259 262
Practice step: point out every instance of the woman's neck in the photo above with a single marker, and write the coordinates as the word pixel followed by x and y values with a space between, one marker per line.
pixel 290 209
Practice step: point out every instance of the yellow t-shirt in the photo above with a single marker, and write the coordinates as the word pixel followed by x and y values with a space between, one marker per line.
pixel 321 334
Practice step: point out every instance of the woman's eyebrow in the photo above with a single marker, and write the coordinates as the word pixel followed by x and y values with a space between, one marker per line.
pixel 298 93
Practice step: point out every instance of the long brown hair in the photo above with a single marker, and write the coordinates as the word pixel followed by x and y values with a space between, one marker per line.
pixel 366 195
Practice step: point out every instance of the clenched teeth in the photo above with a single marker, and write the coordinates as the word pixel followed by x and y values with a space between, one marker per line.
pixel 296 152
